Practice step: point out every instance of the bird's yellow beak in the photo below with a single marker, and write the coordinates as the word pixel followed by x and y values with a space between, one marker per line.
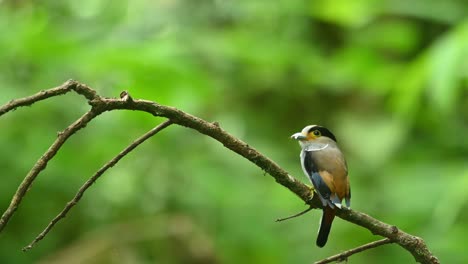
pixel 299 136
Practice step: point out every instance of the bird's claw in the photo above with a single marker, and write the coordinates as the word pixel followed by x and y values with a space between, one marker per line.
pixel 311 194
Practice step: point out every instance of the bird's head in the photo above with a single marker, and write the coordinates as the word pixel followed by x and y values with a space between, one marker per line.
pixel 314 133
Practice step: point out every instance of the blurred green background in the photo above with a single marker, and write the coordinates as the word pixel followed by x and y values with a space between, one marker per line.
pixel 390 79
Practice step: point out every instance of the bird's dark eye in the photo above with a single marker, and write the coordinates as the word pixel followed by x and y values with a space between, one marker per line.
pixel 317 133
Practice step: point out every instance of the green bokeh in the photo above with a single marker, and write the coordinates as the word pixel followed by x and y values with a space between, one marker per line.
pixel 390 78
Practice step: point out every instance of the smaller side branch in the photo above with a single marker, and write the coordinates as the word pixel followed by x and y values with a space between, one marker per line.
pixel 294 216
pixel 41 164
pixel 413 244
pixel 344 255
pixel 42 95
pixel 66 87
pixel 94 178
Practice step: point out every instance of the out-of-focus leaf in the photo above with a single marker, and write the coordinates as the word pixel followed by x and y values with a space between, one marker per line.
pixel 447 69
pixel 367 134
pixel 445 216
pixel 345 13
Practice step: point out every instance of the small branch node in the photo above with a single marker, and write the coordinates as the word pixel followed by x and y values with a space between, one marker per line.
pixel 125 96
pixel 26 248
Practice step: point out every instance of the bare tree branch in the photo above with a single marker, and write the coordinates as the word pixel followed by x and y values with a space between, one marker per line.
pixel 42 95
pixel 344 255
pixel 41 164
pixel 94 178
pixel 413 244
pixel 68 86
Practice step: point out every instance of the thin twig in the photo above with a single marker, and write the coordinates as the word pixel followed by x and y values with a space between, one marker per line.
pixel 66 87
pixel 94 178
pixel 344 255
pixel 294 216
pixel 41 164
pixel 42 95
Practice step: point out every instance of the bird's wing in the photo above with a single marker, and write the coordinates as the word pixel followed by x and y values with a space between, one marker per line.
pixel 313 172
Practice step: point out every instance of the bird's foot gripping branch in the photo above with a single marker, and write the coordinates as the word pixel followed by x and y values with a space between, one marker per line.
pixel 99 105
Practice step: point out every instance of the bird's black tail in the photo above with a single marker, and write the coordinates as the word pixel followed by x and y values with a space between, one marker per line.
pixel 325 226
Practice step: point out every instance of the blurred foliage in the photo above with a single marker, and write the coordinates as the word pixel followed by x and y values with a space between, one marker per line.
pixel 388 77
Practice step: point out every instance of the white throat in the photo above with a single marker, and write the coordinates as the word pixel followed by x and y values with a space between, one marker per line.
pixel 315 147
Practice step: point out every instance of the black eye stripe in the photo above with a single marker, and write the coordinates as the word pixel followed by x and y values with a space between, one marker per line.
pixel 323 132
